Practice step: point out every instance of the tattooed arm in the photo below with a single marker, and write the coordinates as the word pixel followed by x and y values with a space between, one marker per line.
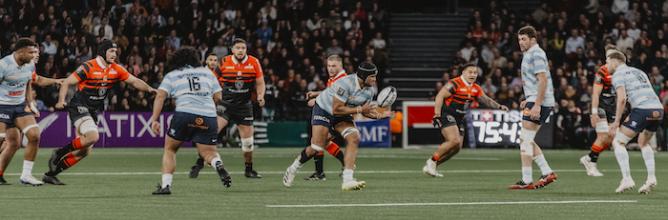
pixel 487 101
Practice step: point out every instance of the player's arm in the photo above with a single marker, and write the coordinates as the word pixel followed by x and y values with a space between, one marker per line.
pixel 260 89
pixel 312 94
pixel 139 84
pixel 339 108
pixel 46 81
pixel 489 102
pixel 62 93
pixel 542 87
pixel 218 97
pixel 30 102
pixel 158 104
pixel 621 103
pixel 378 112
pixel 443 94
pixel 595 99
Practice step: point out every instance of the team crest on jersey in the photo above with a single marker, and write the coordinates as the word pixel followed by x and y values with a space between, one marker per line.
pixel 102 91
pixel 340 91
pixel 239 84
pixel 239 73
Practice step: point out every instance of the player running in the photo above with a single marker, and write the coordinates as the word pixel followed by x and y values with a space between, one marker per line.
pixel 16 72
pixel 451 104
pixel 645 117
pixel 335 71
pixel 195 88
pixel 13 138
pixel 238 74
pixel 537 109
pixel 211 63
pixel 333 111
pixel 94 79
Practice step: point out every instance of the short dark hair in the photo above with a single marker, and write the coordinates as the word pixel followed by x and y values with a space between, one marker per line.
pixel 461 70
pixel 184 56
pixel 528 30
pixel 24 42
pixel 238 40
pixel 212 54
pixel 616 54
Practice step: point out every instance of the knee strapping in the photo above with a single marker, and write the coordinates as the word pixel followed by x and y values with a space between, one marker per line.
pixel 526 142
pixel 85 125
pixel 349 131
pixel 317 148
pixel 247 144
pixel 620 140
pixel 27 128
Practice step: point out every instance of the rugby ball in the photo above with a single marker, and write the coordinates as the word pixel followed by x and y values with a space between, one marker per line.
pixel 387 96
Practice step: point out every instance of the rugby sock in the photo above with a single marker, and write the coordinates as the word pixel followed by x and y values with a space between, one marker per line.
pixel 27 168
pixel 542 164
pixel 648 156
pixel 436 157
pixel 249 166
pixel 319 159
pixel 623 160
pixel 347 175
pixel 200 161
pixel 335 150
pixel 303 157
pixel 74 145
pixel 166 179
pixel 527 175
pixel 595 151
pixel 67 162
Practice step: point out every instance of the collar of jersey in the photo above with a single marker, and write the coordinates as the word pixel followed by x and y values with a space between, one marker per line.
pixel 234 59
pixel 100 62
pixel 338 74
pixel 534 47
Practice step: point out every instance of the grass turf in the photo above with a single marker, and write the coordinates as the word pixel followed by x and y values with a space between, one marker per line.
pixel 117 184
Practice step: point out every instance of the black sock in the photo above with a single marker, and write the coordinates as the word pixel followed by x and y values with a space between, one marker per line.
pixel 200 161
pixel 594 156
pixel 60 167
pixel 319 159
pixel 249 167
pixel 339 156
pixel 304 157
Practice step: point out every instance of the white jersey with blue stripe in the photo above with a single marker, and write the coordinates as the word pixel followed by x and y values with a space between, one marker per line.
pixel 638 88
pixel 193 89
pixel 13 80
pixel 535 61
pixel 348 90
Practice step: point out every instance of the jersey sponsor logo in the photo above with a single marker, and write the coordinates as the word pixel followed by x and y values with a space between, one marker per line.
pixel 97 73
pixel 229 67
pixel 15 93
pixel 172 132
pixel 320 118
pixel 239 84
pixel 340 91
pixel 474 90
pixel 248 118
pixel 249 66
pixel 82 109
pixel 450 118
pixel 4 116
pixel 462 90
pixel 112 72
pixel 634 124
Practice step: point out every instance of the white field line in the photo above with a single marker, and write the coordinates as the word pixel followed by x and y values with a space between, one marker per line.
pixel 328 172
pixel 452 203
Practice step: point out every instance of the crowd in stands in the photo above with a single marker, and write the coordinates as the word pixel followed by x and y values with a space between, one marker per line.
pixel 573 34
pixel 292 38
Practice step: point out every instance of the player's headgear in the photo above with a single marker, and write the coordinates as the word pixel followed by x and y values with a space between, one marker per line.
pixel 365 70
pixel 104 46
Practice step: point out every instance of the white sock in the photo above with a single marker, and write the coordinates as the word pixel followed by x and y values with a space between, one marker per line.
pixel 542 164
pixel 27 168
pixel 215 160
pixel 347 175
pixel 648 156
pixel 527 175
pixel 622 159
pixel 166 180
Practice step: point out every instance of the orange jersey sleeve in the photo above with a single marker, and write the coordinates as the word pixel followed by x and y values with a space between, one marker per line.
pixel 258 68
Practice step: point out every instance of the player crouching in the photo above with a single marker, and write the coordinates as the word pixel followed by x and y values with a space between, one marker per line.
pixel 333 111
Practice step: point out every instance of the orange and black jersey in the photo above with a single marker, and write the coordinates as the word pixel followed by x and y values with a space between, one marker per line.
pixel 238 78
pixel 338 76
pixel 604 78
pixel 462 96
pixel 95 81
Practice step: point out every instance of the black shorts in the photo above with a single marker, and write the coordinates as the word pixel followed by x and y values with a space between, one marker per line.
pixel 240 114
pixel 321 117
pixel 195 128
pixel 449 118
pixel 78 111
pixel 545 113
pixel 9 113
pixel 644 119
